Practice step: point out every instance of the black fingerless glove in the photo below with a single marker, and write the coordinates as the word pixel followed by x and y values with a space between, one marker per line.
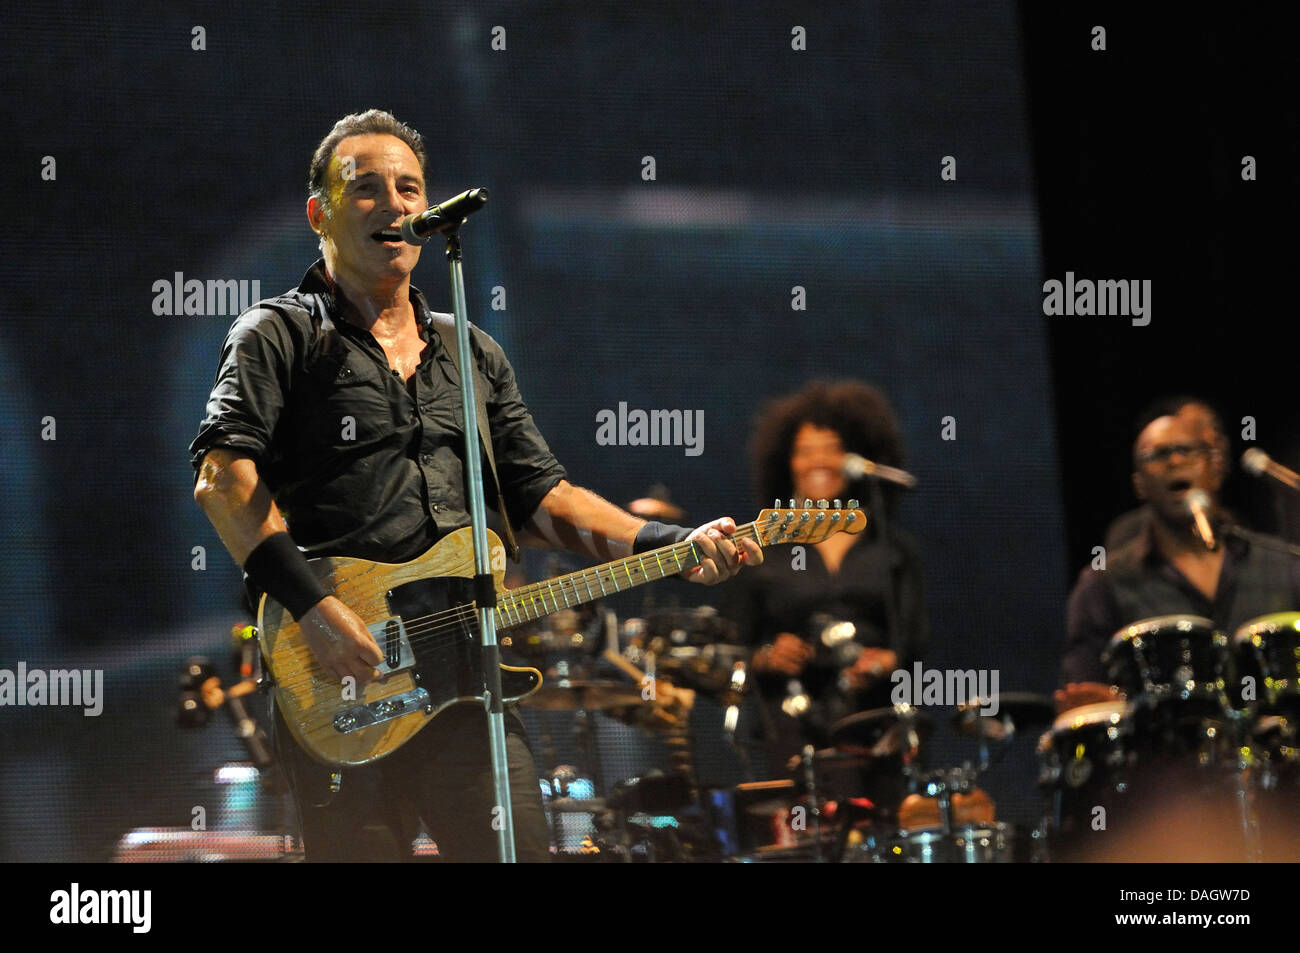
pixel 654 535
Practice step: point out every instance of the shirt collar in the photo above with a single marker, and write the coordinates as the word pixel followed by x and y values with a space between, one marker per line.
pixel 317 282
pixel 1143 548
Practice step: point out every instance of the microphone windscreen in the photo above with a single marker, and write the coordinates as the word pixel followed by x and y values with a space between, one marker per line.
pixel 1255 461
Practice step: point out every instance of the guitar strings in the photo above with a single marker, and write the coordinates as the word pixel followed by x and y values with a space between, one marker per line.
pixel 418 626
pixel 445 626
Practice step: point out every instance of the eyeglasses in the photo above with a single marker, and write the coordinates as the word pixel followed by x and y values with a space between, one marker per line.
pixel 1165 454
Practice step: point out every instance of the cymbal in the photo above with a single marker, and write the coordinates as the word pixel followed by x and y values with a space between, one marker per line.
pixel 880 729
pixel 586 694
pixel 830 758
pixel 668 628
pixel 654 509
pixel 835 757
pixel 1026 710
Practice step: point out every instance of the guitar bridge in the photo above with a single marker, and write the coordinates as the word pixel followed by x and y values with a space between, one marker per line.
pixel 375 713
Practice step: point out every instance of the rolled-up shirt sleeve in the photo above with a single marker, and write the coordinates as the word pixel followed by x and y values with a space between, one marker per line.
pixel 248 394
pixel 525 464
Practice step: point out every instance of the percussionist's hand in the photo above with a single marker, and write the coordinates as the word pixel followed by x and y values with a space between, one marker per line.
pixel 787 655
pixel 1084 693
pixel 871 665
pixel 340 641
pixel 721 554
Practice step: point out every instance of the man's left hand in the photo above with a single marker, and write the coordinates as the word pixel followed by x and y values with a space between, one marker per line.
pixel 721 553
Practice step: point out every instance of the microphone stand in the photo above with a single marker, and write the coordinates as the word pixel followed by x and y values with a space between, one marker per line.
pixel 485 598
pixel 891 594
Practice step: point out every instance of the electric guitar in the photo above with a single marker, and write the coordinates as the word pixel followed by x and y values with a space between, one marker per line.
pixel 422 615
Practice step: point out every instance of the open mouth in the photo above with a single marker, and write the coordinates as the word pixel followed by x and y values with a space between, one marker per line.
pixel 388 235
pixel 1179 486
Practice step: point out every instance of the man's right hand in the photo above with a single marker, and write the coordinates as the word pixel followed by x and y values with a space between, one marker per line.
pixel 340 641
pixel 787 655
pixel 1076 694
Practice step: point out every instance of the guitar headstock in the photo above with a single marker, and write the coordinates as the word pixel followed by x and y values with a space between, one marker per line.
pixel 810 523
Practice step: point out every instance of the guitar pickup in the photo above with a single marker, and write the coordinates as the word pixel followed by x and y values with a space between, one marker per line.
pixel 390 636
pixel 364 716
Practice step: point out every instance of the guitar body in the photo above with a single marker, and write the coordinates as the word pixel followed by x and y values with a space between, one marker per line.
pixel 432 652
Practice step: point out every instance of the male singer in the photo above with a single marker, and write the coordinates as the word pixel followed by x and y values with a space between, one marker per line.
pixel 1176 563
pixel 336 417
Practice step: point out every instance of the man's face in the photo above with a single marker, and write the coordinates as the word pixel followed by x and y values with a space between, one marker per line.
pixel 1203 422
pixel 1173 456
pixel 373 181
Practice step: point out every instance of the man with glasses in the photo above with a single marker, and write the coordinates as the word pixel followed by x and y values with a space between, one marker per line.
pixel 1209 427
pixel 1157 564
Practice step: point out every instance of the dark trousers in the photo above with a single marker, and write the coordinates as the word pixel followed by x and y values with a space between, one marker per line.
pixel 442 776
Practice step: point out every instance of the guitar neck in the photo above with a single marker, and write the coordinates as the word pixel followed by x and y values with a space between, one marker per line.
pixel 527 603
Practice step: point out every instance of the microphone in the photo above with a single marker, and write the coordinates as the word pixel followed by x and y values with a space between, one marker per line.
pixel 1198 503
pixel 856 467
pixel 1259 463
pixel 418 228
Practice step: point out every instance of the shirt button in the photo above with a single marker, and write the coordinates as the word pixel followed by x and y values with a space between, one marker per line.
pixel 426 458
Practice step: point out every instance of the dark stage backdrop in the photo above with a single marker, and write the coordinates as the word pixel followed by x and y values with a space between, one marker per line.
pixel 797 159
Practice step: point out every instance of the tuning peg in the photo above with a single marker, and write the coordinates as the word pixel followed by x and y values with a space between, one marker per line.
pixel 777 504
pixel 807 503
pixel 839 504
pixel 791 506
pixel 823 504
pixel 853 504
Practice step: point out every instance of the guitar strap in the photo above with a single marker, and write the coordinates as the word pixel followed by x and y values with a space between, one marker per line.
pixel 445 324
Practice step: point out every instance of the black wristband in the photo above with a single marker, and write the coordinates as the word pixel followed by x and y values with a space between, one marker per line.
pixel 278 568
pixel 653 535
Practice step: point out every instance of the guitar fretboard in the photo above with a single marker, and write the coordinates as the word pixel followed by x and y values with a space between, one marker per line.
pixel 528 603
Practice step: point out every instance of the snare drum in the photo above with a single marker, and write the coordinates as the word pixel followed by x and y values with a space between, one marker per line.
pixel 1085 763
pixel 1268 650
pixel 1088 749
pixel 1178 662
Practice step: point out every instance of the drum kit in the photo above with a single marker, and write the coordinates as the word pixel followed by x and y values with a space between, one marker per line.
pixel 644 673
pixel 838 803
pixel 1199 733
pixel 1190 714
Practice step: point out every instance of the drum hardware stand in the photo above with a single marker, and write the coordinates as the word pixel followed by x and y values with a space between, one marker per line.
pixel 808 762
pixel 942 785
pixel 584 731
pixel 1244 788
pixel 732 699
pixel 890 591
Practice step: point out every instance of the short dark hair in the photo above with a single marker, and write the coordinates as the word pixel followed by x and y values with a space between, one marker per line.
pixel 858 412
pixel 372 121
pixel 1170 407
